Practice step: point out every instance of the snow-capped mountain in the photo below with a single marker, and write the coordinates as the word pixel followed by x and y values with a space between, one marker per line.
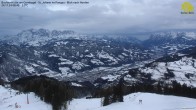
pixel 99 59
pixel 37 37
pixel 170 42
pixel 179 67
pixel 62 54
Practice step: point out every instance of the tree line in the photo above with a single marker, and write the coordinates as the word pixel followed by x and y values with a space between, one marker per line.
pixel 58 93
pixel 49 90
pixel 115 93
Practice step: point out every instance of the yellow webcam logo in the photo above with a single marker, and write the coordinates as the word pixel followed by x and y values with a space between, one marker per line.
pixel 187 8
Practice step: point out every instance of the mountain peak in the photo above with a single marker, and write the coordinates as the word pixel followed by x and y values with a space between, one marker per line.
pixel 173 35
pixel 39 36
pixel 45 32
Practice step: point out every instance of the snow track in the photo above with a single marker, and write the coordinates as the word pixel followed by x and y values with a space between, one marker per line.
pixel 9 97
pixel 131 102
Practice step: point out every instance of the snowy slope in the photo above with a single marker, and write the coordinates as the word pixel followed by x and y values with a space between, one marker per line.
pixel 170 42
pixel 131 102
pixel 8 98
pixel 179 67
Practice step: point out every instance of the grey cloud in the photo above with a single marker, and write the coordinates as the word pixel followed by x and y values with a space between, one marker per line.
pixel 103 16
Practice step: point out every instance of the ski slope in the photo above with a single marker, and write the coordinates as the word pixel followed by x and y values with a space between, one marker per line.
pixel 9 97
pixel 150 101
pixel 131 102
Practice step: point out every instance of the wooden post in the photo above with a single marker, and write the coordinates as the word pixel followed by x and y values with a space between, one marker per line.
pixel 27 99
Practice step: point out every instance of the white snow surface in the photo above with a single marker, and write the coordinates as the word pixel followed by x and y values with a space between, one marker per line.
pixel 186 65
pixel 131 102
pixel 97 62
pixel 78 65
pixel 75 84
pixel 8 98
pixel 30 69
pixel 53 55
pixel 191 35
pixel 105 55
pixel 150 101
pixel 110 77
pixel 65 61
pixel 64 70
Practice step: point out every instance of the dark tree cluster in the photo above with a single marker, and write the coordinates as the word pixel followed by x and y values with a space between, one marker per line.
pixel 58 93
pixel 111 94
pixel 169 74
pixel 115 93
pixel 1 82
pixel 160 88
pixel 48 89
pixel 180 90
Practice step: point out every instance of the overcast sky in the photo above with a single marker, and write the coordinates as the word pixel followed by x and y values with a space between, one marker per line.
pixel 100 16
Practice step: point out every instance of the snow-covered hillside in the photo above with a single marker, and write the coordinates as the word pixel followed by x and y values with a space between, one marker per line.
pixel 150 101
pixel 179 67
pixel 184 71
pixel 131 102
pixel 9 97
pixel 170 42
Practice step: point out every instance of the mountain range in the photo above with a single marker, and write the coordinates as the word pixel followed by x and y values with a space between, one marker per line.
pixel 67 55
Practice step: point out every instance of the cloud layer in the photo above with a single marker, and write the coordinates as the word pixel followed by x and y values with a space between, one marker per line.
pixel 100 16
